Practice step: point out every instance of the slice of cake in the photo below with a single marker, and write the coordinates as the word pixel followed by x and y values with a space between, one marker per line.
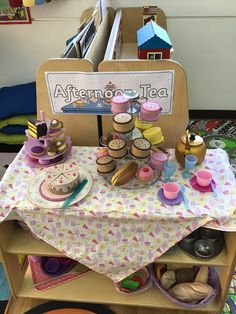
pixel 140 148
pixel 62 179
pixel 117 148
pixel 123 122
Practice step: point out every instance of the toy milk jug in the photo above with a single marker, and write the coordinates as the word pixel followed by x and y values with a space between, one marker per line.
pixel 190 143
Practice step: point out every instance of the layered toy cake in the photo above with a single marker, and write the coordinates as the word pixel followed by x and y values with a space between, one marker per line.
pixel 154 135
pixel 123 122
pixel 150 111
pixel 117 148
pixel 120 103
pixel 62 179
pixel 140 148
pixel 105 164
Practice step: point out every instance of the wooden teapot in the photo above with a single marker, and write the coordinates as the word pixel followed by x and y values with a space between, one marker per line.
pixel 190 143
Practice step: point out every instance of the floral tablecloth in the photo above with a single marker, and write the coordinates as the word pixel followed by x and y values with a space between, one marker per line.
pixel 116 231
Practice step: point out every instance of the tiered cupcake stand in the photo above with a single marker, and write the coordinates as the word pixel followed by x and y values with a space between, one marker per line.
pixel 44 160
pixel 129 136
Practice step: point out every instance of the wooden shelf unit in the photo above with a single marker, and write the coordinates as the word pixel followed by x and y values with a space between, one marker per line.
pixel 94 287
pixel 22 242
pixel 14 240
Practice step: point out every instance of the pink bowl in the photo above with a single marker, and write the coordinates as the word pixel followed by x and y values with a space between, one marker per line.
pixel 204 177
pixel 171 190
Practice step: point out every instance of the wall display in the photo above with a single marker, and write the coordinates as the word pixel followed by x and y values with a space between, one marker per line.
pixel 91 93
pixel 15 15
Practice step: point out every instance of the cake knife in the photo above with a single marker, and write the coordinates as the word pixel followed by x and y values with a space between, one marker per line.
pixel 70 198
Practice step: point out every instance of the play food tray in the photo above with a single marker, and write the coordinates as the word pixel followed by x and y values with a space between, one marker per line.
pixel 134 183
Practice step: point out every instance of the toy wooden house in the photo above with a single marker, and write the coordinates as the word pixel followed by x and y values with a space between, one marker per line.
pixel 153 42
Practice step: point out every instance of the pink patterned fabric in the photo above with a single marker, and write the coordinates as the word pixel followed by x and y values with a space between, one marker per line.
pixel 116 231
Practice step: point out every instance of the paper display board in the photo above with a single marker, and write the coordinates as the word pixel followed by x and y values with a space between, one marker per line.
pixel 91 92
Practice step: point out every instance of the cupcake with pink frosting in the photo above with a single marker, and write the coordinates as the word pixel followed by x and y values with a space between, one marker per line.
pixel 102 152
pixel 145 173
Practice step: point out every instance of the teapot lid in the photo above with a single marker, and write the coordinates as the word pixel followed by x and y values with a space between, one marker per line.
pixel 194 140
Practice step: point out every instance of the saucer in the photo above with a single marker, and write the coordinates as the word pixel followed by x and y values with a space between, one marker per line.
pixel 166 201
pixel 196 186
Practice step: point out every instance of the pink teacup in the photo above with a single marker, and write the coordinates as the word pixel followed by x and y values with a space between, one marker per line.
pixel 171 190
pixel 204 177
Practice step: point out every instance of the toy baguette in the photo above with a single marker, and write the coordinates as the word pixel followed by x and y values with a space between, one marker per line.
pixel 124 174
pixel 202 275
pixel 188 292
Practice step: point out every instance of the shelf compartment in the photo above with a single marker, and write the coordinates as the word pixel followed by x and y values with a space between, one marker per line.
pixel 179 257
pixel 22 242
pixel 96 288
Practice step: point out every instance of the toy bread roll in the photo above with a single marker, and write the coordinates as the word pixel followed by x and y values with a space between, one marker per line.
pixel 124 174
pixel 202 275
pixel 168 279
pixel 188 292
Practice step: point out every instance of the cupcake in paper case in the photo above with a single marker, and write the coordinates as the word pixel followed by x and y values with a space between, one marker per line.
pixel 154 135
pixel 61 146
pixel 145 173
pixel 105 165
pixel 55 123
pixel 123 122
pixel 102 152
pixel 117 148
pixel 51 150
pixel 140 148
pixel 150 111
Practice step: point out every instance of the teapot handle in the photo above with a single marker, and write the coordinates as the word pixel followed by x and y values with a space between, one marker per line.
pixel 191 124
pixel 187 146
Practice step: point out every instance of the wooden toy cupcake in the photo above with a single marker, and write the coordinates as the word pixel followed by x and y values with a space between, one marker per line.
pixel 140 148
pixel 117 148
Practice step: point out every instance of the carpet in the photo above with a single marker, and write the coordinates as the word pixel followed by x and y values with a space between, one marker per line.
pixel 230 304
pixel 220 134
pixel 54 307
